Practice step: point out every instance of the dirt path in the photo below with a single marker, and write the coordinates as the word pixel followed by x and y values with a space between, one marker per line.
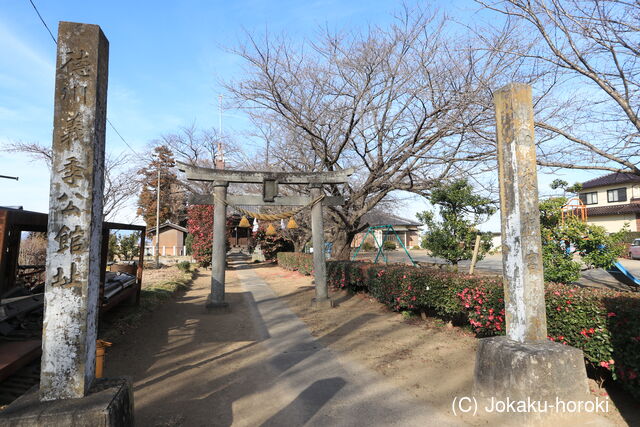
pixel 256 365
pixel 259 364
pixel 189 367
pixel 414 358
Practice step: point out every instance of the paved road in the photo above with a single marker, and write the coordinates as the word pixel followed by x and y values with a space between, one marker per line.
pixel 493 264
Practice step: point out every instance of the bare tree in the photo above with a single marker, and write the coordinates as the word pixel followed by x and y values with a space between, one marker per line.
pixel 405 105
pixel 200 147
pixel 119 182
pixel 35 150
pixel 590 117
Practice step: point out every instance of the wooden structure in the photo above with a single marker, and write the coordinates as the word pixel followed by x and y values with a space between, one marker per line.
pixel 240 236
pixel 16 354
pixel 172 240
pixel 221 178
pixel 14 221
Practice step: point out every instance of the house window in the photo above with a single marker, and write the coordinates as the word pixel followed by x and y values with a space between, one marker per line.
pixel 589 198
pixel 617 195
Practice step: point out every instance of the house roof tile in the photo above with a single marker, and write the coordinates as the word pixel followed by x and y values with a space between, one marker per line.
pixel 375 218
pixel 614 210
pixel 152 230
pixel 611 179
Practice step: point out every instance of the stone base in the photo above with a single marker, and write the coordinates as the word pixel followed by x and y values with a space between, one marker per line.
pixel 551 375
pixel 321 304
pixel 109 403
pixel 542 370
pixel 216 306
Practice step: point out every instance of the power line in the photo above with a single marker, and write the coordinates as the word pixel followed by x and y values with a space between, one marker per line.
pixel 123 140
pixel 108 121
pixel 43 23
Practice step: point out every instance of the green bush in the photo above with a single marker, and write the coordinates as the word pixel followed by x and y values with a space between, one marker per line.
pixel 388 245
pixel 271 246
pixel 296 261
pixel 367 246
pixel 184 266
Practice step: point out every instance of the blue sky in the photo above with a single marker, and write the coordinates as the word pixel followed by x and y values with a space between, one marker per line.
pixel 166 61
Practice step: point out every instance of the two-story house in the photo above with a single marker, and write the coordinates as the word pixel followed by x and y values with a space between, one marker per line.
pixel 613 200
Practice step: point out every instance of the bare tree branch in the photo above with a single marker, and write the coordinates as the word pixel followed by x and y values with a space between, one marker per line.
pixel 403 105
pixel 591 113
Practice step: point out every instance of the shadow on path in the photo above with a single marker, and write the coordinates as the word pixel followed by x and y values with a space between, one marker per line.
pixel 307 404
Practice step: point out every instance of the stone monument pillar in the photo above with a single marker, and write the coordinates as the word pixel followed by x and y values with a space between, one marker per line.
pixel 520 215
pixel 524 364
pixel 69 394
pixel 219 249
pixel 321 299
pixel 75 212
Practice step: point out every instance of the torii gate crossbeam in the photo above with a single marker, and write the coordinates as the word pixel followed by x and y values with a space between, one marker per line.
pixel 270 180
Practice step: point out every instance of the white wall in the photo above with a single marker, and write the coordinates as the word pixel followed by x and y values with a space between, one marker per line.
pixel 632 192
pixel 614 223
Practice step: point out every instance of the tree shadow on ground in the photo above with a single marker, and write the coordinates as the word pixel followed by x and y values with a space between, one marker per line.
pixel 307 404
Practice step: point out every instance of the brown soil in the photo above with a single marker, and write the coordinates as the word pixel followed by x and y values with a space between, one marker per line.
pixel 429 358
pixel 191 368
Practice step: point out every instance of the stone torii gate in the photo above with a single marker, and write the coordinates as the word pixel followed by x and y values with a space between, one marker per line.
pixel 221 178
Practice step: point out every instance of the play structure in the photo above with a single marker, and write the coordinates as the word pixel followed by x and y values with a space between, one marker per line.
pixel 623 275
pixel 386 231
pixel 575 208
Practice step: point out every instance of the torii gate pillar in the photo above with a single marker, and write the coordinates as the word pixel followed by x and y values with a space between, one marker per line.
pixel 319 263
pixel 216 301
pixel 270 181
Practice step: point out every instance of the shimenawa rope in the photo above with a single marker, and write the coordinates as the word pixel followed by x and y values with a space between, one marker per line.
pixel 271 217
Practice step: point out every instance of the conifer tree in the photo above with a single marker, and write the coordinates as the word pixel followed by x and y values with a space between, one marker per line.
pixel 172 207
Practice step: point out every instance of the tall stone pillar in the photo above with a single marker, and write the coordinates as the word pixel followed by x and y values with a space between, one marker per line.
pixel 524 364
pixel 219 249
pixel 69 393
pixel 520 216
pixel 321 299
pixel 75 213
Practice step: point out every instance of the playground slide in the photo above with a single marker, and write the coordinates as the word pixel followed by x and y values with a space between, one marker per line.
pixel 621 274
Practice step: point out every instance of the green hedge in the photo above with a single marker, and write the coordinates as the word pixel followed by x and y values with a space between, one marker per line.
pixel 604 324
pixel 296 261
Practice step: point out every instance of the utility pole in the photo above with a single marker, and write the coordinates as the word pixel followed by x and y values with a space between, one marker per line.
pixel 267 156
pixel 220 115
pixel 219 157
pixel 157 252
